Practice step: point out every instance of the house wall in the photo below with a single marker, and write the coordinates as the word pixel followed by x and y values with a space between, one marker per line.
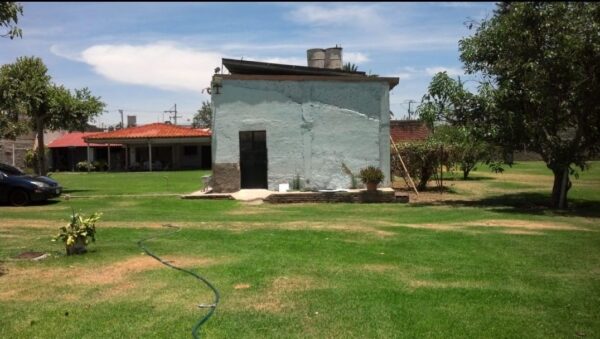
pixel 312 128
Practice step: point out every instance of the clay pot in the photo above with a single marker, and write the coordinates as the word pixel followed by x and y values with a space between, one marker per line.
pixel 372 186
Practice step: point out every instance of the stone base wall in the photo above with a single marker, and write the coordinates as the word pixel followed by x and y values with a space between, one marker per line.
pixel 347 197
pixel 226 178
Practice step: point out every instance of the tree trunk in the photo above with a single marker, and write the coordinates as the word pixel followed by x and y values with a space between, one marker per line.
pixel 466 173
pixel 41 154
pixel 562 184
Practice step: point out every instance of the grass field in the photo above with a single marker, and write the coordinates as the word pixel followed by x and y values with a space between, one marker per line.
pixel 485 260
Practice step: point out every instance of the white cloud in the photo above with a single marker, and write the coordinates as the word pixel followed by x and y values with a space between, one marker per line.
pixel 450 70
pixel 354 57
pixel 59 51
pixel 163 65
pixel 345 15
pixel 281 60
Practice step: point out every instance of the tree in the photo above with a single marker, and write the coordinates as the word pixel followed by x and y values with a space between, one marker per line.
pixel 467 149
pixel 27 90
pixel 450 103
pixel 203 117
pixel 9 17
pixel 541 59
pixel 446 101
pixel 349 67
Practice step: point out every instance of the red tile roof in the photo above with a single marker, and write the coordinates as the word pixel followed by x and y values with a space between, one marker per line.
pixel 408 130
pixel 75 139
pixel 151 131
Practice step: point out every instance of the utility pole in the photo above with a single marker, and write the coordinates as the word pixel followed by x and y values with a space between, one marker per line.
pixel 411 101
pixel 175 116
pixel 122 124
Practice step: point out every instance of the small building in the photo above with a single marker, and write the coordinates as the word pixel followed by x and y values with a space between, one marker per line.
pixel 160 146
pixel 275 123
pixel 408 130
pixel 70 148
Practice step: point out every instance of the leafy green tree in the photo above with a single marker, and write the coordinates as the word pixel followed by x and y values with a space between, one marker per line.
pixel 449 103
pixel 446 101
pixel 26 89
pixel 349 67
pixel 203 117
pixel 9 17
pixel 466 149
pixel 542 62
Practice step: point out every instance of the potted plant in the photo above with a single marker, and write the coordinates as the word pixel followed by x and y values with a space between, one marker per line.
pixel 371 176
pixel 77 234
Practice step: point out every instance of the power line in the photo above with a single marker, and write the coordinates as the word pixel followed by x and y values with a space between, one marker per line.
pixel 174 112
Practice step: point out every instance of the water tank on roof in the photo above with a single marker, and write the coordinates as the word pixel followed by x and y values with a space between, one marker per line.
pixel 333 58
pixel 316 57
pixel 131 120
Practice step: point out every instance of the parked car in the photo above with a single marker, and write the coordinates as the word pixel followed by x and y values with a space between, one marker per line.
pixel 19 189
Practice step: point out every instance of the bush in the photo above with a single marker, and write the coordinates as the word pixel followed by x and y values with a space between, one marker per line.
pixel 85 166
pixel 371 174
pixel 100 165
pixel 78 233
pixel 422 159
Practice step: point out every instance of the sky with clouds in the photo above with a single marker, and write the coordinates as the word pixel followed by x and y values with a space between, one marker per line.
pixel 145 57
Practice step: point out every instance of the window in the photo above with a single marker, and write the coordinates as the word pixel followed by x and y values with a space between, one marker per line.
pixel 190 150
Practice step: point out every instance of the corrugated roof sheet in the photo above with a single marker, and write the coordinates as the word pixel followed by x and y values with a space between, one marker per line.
pixel 156 130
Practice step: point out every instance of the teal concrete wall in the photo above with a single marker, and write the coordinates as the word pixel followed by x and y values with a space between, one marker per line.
pixel 312 127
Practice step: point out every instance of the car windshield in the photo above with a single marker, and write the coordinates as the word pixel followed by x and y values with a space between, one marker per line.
pixel 10 170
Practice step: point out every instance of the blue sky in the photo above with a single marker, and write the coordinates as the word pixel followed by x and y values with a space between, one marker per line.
pixel 145 57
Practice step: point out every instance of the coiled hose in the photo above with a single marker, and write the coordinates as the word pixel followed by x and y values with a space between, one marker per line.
pixel 212 306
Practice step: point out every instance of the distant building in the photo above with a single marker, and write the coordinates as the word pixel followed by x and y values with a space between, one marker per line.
pixel 408 130
pixel 159 146
pixel 69 149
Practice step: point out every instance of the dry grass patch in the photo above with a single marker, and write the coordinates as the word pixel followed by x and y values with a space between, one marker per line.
pixel 415 284
pixel 273 299
pixel 241 286
pixel 526 224
pixel 115 279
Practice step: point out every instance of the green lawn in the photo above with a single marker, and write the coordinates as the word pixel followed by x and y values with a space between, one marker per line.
pixel 488 262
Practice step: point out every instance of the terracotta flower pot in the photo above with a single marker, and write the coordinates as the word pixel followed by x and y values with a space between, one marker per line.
pixel 372 186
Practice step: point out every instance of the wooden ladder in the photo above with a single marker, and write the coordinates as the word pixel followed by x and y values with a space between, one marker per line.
pixel 405 174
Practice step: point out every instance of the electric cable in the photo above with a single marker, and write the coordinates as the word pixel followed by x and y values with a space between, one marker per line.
pixel 212 306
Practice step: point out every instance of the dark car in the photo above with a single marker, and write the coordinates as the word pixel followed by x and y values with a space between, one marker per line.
pixel 19 189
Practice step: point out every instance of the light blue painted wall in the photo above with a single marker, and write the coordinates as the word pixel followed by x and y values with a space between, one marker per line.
pixel 312 127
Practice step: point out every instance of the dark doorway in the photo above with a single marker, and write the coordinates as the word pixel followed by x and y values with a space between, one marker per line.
pixel 205 156
pixel 253 159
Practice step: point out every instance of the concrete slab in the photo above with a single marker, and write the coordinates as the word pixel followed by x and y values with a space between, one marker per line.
pixel 251 194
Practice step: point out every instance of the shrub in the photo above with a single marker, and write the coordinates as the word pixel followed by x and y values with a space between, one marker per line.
pixel 422 159
pixel 347 171
pixel 85 166
pixel 371 174
pixel 78 233
pixel 296 183
pixel 100 165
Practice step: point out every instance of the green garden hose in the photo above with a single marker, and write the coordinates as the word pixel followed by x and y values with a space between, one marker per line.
pixel 212 306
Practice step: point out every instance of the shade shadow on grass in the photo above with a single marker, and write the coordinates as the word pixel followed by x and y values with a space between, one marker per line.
pixel 68 191
pixel 526 203
pixel 34 203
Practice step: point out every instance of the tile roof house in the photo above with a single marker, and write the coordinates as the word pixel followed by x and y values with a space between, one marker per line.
pixel 159 146
pixel 70 148
pixel 274 123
